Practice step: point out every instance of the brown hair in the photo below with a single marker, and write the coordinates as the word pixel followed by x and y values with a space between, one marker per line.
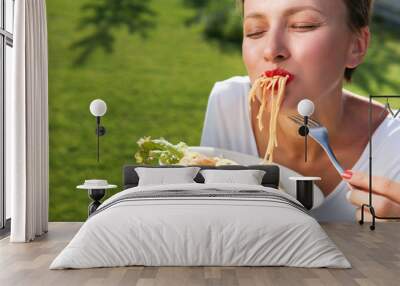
pixel 359 16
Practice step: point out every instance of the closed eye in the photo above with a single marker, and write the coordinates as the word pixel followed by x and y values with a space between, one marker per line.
pixel 255 35
pixel 305 27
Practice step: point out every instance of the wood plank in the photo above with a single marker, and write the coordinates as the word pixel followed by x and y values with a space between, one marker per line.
pixel 375 258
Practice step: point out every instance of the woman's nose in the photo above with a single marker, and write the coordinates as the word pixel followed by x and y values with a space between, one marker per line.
pixel 275 49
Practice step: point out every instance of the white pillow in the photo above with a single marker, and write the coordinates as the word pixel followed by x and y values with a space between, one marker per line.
pixel 248 177
pixel 163 176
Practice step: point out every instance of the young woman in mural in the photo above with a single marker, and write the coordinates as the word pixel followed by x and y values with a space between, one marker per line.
pixel 319 44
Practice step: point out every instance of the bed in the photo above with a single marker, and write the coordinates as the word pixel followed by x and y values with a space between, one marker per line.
pixel 199 224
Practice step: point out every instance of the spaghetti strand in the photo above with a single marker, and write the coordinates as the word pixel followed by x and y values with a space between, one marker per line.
pixel 274 87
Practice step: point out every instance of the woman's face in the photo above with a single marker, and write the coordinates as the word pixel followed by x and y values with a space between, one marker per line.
pixel 308 38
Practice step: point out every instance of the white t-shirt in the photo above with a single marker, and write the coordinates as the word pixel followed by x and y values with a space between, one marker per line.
pixel 227 125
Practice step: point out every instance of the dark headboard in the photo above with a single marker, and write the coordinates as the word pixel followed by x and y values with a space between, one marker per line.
pixel 130 178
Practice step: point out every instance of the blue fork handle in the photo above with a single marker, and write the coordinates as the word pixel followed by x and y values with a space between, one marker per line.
pixel 330 154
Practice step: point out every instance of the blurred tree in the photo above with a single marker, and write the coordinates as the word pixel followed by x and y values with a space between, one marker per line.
pixel 102 16
pixel 221 19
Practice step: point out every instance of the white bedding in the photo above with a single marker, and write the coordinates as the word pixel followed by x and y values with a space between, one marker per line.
pixel 227 231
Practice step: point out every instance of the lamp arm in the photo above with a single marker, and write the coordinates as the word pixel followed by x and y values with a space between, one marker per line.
pixel 100 131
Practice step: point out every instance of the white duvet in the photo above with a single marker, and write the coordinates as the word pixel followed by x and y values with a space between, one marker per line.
pixel 200 231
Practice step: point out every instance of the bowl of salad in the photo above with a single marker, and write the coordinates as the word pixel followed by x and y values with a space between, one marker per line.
pixel 162 152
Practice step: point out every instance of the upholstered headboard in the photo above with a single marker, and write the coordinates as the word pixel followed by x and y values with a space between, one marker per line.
pixel 270 179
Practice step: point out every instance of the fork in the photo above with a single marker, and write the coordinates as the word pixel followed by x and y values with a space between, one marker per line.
pixel 320 135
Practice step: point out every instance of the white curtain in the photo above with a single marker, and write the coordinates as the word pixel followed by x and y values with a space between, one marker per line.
pixel 27 148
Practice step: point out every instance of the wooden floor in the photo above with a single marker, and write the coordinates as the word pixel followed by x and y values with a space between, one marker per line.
pixel 375 257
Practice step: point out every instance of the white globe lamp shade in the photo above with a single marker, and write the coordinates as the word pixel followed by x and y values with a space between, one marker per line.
pixel 305 107
pixel 98 107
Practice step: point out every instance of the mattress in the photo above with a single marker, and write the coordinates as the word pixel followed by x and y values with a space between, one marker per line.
pixel 201 225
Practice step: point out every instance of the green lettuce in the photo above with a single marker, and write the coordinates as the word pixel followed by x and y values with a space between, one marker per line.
pixel 159 151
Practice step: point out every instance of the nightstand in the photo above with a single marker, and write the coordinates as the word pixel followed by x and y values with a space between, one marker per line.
pixel 96 190
pixel 305 190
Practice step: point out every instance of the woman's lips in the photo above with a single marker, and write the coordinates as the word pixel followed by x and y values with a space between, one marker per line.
pixel 279 72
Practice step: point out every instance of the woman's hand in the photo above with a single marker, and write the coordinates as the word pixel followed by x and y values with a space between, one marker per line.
pixel 385 194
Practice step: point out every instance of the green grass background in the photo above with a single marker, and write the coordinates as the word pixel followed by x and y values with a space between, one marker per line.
pixel 155 86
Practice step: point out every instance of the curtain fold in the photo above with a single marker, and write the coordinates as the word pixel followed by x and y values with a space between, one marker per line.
pixel 27 146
